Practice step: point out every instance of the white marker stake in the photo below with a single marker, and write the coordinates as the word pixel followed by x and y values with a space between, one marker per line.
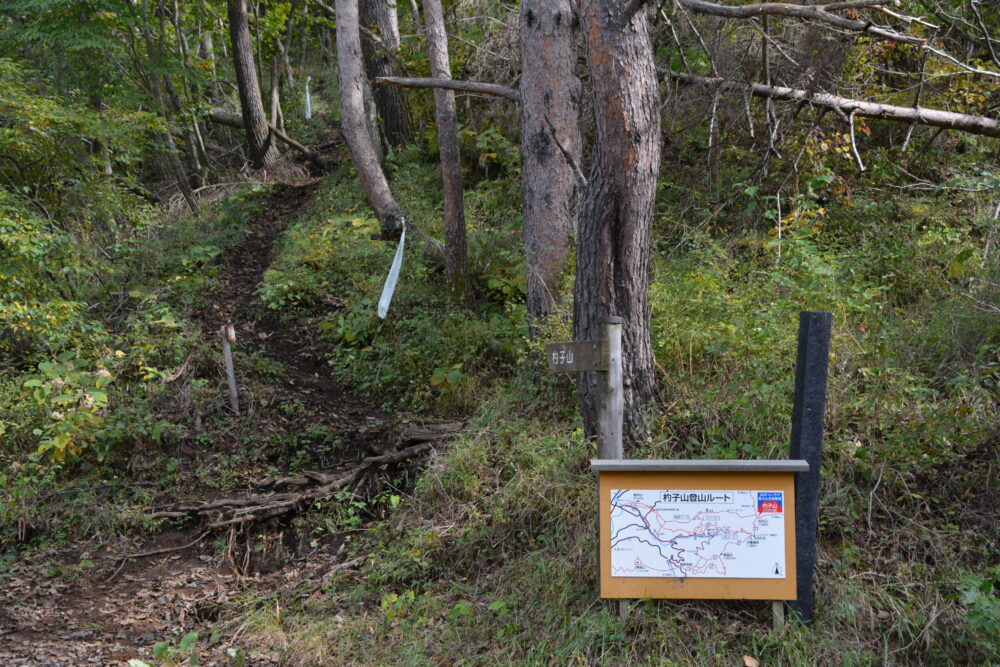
pixel 309 109
pixel 392 278
pixel 229 336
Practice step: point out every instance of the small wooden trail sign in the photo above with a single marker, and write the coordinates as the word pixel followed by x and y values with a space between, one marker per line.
pixel 577 356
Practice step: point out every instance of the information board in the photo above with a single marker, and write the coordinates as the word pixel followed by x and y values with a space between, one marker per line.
pixel 697 535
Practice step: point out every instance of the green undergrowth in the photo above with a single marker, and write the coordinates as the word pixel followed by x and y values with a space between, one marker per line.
pixel 429 351
pixel 84 390
pixel 492 559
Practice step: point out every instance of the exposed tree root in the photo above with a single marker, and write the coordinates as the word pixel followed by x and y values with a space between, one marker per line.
pixel 226 512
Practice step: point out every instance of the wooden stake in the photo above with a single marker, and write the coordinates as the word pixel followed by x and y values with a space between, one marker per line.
pixel 229 336
pixel 778 614
pixel 610 394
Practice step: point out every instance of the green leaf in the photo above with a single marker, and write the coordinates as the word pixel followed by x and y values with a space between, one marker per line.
pixel 161 650
pixel 460 610
pixel 188 642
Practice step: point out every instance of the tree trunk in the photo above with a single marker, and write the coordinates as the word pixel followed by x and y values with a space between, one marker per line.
pixel 285 47
pixel 418 25
pixel 352 125
pixel 380 60
pixel 613 254
pixel 393 17
pixel 277 117
pixel 550 145
pixel 165 137
pixel 456 262
pixel 262 149
pixel 371 120
pixel 206 51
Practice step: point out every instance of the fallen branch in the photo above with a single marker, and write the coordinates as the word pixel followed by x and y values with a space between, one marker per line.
pixel 305 479
pixel 428 432
pixel 222 118
pixel 184 366
pixel 823 14
pixel 224 512
pixel 847 107
pixel 450 84
pixel 157 552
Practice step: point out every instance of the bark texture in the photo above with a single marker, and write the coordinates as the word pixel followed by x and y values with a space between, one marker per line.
pixel 380 60
pixel 456 262
pixel 613 253
pixel 262 149
pixel 550 145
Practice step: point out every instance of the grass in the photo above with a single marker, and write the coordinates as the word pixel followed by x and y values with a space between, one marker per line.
pixel 493 561
pixel 492 557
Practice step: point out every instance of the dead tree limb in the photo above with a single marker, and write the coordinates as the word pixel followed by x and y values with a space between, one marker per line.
pixel 224 512
pixel 220 117
pixel 157 552
pixel 821 13
pixel 450 84
pixel 845 106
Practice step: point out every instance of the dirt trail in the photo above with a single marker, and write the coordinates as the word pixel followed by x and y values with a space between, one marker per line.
pixel 114 610
pixel 306 375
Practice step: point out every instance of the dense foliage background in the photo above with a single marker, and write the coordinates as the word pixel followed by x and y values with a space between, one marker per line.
pixel 111 393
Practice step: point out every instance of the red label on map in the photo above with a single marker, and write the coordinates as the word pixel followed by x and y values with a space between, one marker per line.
pixel 769 506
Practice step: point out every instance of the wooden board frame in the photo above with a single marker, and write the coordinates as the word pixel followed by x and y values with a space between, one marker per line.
pixel 693 588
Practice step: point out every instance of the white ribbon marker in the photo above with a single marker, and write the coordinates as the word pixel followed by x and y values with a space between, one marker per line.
pixel 309 109
pixel 393 277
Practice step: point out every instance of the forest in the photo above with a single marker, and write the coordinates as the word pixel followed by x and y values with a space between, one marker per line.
pixel 277 280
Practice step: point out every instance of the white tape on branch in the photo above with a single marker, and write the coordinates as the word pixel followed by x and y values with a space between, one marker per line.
pixel 393 277
pixel 309 109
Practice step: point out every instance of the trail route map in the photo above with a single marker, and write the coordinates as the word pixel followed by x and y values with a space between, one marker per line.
pixel 697 533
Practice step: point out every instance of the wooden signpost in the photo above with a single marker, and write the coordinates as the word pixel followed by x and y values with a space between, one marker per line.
pixel 577 356
pixel 604 356
pixel 701 529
